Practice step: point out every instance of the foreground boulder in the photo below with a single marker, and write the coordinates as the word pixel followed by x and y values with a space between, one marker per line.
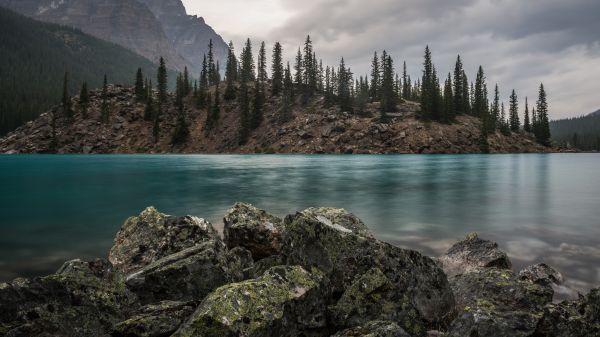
pixel 254 229
pixel 473 253
pixel 152 235
pixel 374 329
pixel 155 320
pixel 83 299
pixel 580 318
pixel 370 280
pixel 285 301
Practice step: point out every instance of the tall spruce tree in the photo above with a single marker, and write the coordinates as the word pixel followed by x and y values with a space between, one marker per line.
pixel 161 78
pixel 139 90
pixel 526 121
pixel 449 108
pixel 66 98
pixel 277 72
pixel 104 105
pixel 247 64
pixel 375 78
pixel 310 68
pixel 181 131
pixel 84 99
pixel 288 95
pixel 427 87
pixel 543 123
pixel 213 73
pixel 186 82
pixel 387 90
pixel 262 65
pixel 201 99
pixel 231 74
pixel 513 109
pixel 344 87
pixel 150 109
pixel 495 110
pixel 504 125
pixel 299 69
pixel 460 101
pixel 466 103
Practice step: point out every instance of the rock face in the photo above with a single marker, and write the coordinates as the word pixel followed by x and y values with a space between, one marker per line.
pixel 128 132
pixel 285 301
pixel 328 276
pixel 254 229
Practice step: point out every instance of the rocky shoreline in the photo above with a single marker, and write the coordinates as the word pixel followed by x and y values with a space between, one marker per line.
pixel 319 272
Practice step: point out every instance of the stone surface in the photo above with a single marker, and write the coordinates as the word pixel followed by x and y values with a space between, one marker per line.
pixel 339 218
pixel 155 320
pixel 374 329
pixel 541 274
pixel 473 252
pixel 415 285
pixel 254 229
pixel 580 318
pixel 153 235
pixel 285 301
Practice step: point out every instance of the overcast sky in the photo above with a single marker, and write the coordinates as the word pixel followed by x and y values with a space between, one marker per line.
pixel 520 43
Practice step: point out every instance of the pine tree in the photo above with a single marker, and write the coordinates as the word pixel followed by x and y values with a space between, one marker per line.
pixel 526 123
pixel 84 99
pixel 181 131
pixel 231 74
pixel 201 100
pixel 543 128
pixel 162 82
pixel 179 92
pixel 247 65
pixel 387 90
pixel 460 99
pixel 513 109
pixel 427 87
pixel 495 120
pixel 405 84
pixel 257 106
pixel 288 95
pixel 449 108
pixel 299 69
pixel 186 82
pixel 309 66
pixel 481 109
pixel 66 98
pixel 149 110
pixel 277 70
pixel 104 106
pixel 213 74
pixel 375 78
pixel 504 125
pixel 139 85
pixel 262 65
pixel 466 103
pixel 344 87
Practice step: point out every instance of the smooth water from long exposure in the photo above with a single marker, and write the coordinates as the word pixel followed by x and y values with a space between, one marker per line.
pixel 540 208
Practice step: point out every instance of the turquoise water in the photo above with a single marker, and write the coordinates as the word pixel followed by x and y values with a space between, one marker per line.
pixel 538 207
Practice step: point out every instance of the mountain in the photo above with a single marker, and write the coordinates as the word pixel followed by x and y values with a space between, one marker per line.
pixel 582 133
pixel 311 127
pixel 35 56
pixel 189 35
pixel 166 30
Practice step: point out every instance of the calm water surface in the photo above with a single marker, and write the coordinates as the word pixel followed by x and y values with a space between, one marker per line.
pixel 540 208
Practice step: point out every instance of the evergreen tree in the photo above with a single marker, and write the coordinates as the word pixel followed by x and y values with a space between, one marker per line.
pixel 288 95
pixel 262 65
pixel 513 109
pixel 104 106
pixel 526 122
pixel 213 74
pixel 465 97
pixel 449 107
pixel 181 131
pixel 247 66
pixel 186 82
pixel 299 69
pixel 139 85
pixel 277 71
pixel 504 125
pixel 543 124
pixel 460 88
pixel 257 106
pixel 481 108
pixel 495 111
pixel 66 98
pixel 344 87
pixel 214 112
pixel 387 90
pixel 162 82
pixel 201 99
pixel 179 92
pixel 405 84
pixel 310 68
pixel 231 74
pixel 375 78
pixel 427 87
pixel 84 99
pixel 149 111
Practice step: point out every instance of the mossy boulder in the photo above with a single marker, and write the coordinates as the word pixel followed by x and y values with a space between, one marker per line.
pixel 339 218
pixel 188 275
pixel 254 229
pixel 494 302
pixel 152 235
pixel 73 303
pixel 285 301
pixel 473 252
pixel 407 280
pixel 155 320
pixel 374 329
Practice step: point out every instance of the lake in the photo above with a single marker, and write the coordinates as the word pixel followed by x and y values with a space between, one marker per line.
pixel 538 207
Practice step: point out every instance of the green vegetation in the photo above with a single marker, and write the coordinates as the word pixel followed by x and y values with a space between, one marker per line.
pixel 35 57
pixel 580 132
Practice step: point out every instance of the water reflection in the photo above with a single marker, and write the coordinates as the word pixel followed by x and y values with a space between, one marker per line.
pixel 538 207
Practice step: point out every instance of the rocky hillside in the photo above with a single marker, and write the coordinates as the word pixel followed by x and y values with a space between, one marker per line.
pixel 130 23
pixel 319 272
pixel 311 128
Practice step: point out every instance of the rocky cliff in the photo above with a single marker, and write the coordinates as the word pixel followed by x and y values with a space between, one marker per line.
pixel 310 128
pixel 318 272
pixel 169 33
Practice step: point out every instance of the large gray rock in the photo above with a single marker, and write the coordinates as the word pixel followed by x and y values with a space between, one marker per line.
pixel 254 229
pixel 339 218
pixel 285 301
pixel 579 318
pixel 415 288
pixel 74 302
pixel 494 302
pixel 374 329
pixel 541 274
pixel 152 235
pixel 472 253
pixel 155 320
pixel 188 275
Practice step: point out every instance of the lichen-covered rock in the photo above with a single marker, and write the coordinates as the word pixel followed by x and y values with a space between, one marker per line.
pixel 580 318
pixel 152 235
pixel 471 253
pixel 285 301
pixel 541 274
pixel 339 218
pixel 374 329
pixel 494 302
pixel 415 285
pixel 254 229
pixel 188 275
pixel 100 268
pixel 155 320
pixel 72 303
